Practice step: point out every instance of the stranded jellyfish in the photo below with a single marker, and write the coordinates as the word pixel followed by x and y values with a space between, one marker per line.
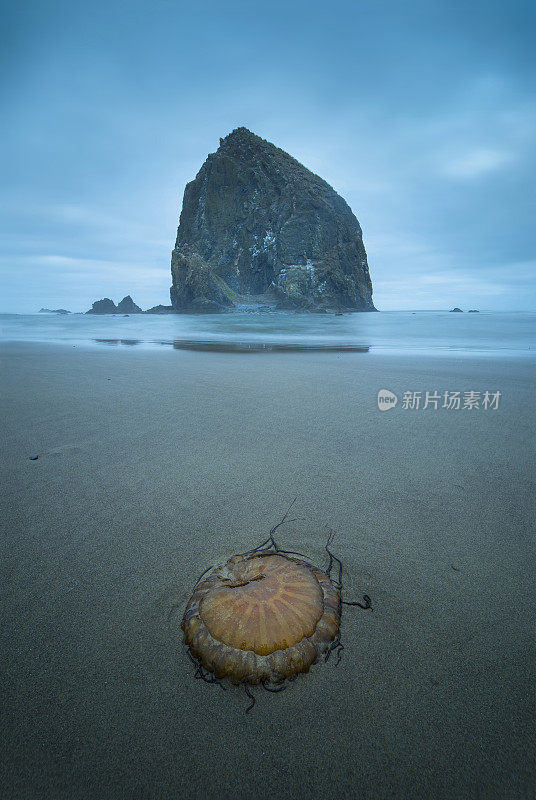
pixel 264 617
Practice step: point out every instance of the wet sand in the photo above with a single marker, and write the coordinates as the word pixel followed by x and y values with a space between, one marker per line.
pixel 153 465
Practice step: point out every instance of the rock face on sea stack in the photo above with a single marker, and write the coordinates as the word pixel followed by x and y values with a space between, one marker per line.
pixel 257 226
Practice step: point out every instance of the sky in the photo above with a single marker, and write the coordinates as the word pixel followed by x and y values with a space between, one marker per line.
pixel 420 114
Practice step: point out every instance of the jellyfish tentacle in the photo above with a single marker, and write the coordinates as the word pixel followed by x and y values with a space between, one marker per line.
pixel 198 581
pixel 251 697
pixel 330 554
pixel 332 647
pixel 291 552
pixel 333 558
pixel 366 606
pixel 260 547
pixel 338 583
pixel 202 674
pixel 335 645
pixel 270 540
pixel 269 688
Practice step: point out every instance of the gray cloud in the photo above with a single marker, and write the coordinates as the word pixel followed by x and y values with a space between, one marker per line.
pixel 425 125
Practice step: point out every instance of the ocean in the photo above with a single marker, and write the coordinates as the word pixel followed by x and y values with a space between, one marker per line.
pixel 390 332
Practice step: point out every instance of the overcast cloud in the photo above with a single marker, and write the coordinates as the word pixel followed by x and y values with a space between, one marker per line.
pixel 421 114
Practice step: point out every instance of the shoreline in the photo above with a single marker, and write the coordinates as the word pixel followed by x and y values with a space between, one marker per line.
pixel 428 334
pixel 267 348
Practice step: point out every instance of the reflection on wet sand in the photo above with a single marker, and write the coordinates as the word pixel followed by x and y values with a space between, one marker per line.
pixel 118 341
pixel 266 347
pixel 245 347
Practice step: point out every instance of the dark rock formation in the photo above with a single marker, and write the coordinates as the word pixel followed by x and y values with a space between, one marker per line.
pixel 128 306
pixel 105 306
pixel 257 226
pixel 473 311
pixel 458 310
pixel 53 311
pixel 160 310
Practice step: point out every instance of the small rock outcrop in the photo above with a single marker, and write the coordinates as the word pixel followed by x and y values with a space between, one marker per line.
pixel 473 311
pixel 53 311
pixel 257 226
pixel 105 306
pixel 160 309
pixel 128 306
pixel 457 310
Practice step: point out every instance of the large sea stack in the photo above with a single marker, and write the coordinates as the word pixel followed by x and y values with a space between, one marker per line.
pixel 258 227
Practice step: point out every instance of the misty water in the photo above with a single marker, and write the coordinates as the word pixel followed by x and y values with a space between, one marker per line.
pixel 436 332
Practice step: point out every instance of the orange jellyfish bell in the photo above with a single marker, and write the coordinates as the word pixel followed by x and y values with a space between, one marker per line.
pixel 262 617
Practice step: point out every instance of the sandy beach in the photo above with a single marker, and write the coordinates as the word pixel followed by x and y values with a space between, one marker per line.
pixel 154 464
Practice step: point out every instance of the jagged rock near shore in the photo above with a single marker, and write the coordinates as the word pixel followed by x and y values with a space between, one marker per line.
pixel 160 309
pixel 257 226
pixel 105 306
pixel 128 306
